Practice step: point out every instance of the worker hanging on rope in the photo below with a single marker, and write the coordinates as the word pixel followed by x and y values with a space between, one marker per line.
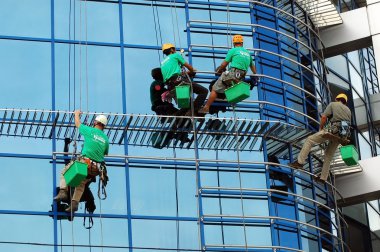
pixel 95 147
pixel 240 60
pixel 340 120
pixel 157 88
pixel 171 71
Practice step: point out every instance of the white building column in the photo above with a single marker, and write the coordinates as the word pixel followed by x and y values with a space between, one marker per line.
pixel 360 29
pixel 373 10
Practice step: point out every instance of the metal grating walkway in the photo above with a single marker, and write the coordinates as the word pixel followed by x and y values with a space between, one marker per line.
pixel 138 130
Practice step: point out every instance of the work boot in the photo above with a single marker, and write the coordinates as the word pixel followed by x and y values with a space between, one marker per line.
pixel 61 196
pixel 204 110
pixel 295 165
pixel 73 207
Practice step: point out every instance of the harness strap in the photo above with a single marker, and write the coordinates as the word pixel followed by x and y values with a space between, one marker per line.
pixel 102 193
pixel 90 221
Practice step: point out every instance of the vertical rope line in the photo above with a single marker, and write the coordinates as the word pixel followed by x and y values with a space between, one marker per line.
pixel 86 46
pixel 197 170
pixel 72 222
pixel 176 197
pixel 239 172
pixel 155 28
pixel 89 239
pixel 101 224
pixel 172 16
pixel 212 37
pixel 70 57
pixel 74 69
pixel 80 54
pixel 229 29
pixel 158 21
pixel 60 228
pixel 176 18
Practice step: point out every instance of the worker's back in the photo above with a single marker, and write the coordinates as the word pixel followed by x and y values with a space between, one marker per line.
pixel 338 112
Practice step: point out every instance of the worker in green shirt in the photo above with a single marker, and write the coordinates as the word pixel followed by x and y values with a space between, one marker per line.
pixel 95 147
pixel 171 70
pixel 240 60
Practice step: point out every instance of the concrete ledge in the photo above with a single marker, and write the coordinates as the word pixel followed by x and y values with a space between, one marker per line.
pixel 362 186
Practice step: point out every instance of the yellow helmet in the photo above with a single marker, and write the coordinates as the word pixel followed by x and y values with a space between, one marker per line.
pixel 237 39
pixel 167 46
pixel 344 96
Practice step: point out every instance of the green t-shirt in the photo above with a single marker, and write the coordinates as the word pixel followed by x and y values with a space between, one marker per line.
pixel 171 65
pixel 156 89
pixel 239 58
pixel 96 143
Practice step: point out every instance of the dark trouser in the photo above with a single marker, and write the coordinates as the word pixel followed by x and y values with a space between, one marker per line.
pixel 201 95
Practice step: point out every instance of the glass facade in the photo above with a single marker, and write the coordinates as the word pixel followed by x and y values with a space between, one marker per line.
pixel 229 189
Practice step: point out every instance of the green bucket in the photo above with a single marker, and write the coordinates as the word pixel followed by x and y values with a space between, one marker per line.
pixel 75 174
pixel 183 96
pixel 349 154
pixel 237 92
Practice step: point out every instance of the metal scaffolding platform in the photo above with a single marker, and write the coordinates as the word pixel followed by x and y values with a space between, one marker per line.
pixel 138 130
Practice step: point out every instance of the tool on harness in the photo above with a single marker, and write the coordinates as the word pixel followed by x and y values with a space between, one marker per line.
pixel 89 208
pixel 342 129
pixel 103 180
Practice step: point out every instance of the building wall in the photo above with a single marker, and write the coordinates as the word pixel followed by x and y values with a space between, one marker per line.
pixel 97 56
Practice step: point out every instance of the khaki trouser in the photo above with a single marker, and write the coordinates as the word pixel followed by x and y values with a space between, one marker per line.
pixel 314 139
pixel 78 192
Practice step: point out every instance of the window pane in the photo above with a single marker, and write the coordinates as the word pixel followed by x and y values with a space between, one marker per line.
pixel 25 18
pixel 154 234
pixel 110 232
pixel 23 195
pixel 339 65
pixel 91 20
pixel 26 70
pixel 23 228
pixel 156 195
pixel 356 81
pixel 97 82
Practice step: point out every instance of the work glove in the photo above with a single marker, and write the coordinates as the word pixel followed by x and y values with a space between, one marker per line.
pixel 166 97
pixel 253 82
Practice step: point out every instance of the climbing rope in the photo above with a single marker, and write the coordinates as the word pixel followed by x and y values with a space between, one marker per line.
pixel 157 26
pixel 86 47
pixel 101 223
pixel 239 172
pixel 229 29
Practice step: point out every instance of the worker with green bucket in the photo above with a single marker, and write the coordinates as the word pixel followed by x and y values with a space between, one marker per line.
pixel 240 60
pixel 171 68
pixel 340 118
pixel 95 147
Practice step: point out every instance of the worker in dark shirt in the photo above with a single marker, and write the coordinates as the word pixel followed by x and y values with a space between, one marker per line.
pixel 157 88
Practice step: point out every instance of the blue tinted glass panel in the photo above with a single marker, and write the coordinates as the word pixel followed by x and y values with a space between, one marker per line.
pixel 19 228
pixel 94 80
pixel 36 194
pixel 25 18
pixel 156 196
pixel 106 232
pixel 154 234
pixel 25 68
pixel 87 20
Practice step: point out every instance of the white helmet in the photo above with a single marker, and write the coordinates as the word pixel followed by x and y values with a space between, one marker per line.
pixel 102 119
